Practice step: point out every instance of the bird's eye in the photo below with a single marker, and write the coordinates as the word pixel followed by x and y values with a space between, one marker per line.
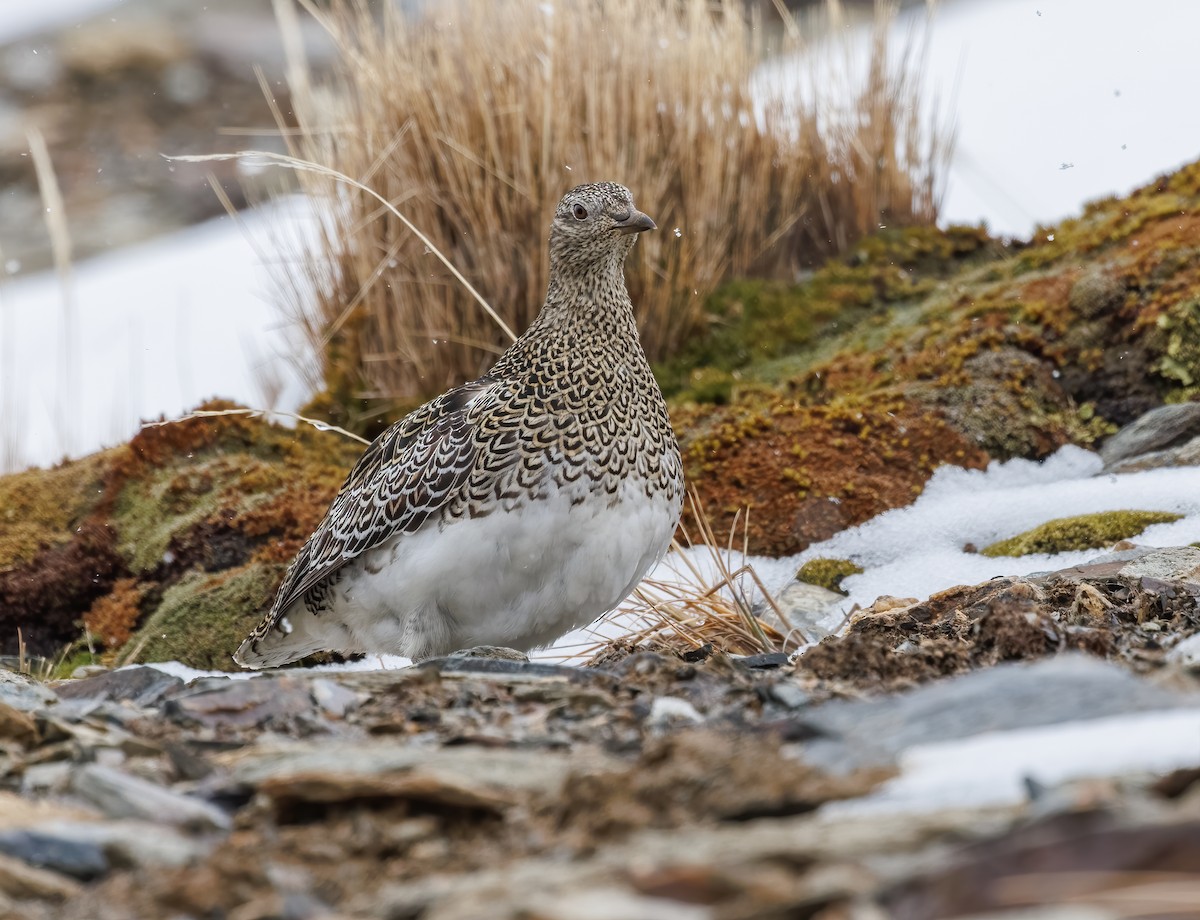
pixel 580 212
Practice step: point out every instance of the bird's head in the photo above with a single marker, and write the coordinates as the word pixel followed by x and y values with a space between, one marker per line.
pixel 595 224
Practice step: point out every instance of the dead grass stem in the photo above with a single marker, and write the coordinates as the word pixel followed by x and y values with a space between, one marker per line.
pixel 709 601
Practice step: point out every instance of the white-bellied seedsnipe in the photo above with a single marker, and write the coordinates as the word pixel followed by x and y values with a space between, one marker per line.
pixel 512 508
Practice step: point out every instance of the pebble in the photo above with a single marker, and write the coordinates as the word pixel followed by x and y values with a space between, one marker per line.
pixel 83 860
pixel 20 692
pixel 788 695
pixel 141 686
pixel 120 795
pixel 668 711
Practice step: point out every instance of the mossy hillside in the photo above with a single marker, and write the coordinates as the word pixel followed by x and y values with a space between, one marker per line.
pixel 39 508
pixel 752 322
pixel 1015 349
pixel 195 491
pixel 805 472
pixel 1087 531
pixel 203 617
pixel 99 542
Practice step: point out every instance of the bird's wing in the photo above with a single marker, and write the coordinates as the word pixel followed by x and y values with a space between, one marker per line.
pixel 407 475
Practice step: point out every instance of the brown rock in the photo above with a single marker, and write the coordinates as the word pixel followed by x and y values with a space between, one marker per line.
pixel 17 726
pixel 21 880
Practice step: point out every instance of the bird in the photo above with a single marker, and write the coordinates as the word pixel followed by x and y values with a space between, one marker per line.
pixel 515 507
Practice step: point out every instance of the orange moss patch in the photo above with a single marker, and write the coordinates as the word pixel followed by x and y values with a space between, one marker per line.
pixel 285 521
pixel 805 473
pixel 40 508
pixel 113 617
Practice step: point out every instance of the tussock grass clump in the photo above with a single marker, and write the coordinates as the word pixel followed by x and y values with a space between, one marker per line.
pixel 475 120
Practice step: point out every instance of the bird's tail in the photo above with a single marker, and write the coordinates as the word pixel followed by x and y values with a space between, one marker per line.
pixel 285 637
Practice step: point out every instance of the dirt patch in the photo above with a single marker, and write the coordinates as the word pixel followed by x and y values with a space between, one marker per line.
pixel 672 784
pixel 896 643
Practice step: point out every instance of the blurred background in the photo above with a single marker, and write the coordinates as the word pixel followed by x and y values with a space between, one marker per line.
pixel 128 292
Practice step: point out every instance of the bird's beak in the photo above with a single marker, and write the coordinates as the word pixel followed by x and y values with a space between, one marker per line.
pixel 635 222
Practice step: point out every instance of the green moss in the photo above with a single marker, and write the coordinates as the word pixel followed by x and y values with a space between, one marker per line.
pixel 757 321
pixel 1088 531
pixel 40 508
pixel 203 617
pixel 170 501
pixel 1178 337
pixel 67 666
pixel 828 573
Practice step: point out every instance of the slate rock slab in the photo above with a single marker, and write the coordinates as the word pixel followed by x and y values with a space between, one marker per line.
pixel 1158 429
pixel 142 686
pixel 855 734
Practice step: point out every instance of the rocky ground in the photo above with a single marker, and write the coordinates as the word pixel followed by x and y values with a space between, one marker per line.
pixel 652 786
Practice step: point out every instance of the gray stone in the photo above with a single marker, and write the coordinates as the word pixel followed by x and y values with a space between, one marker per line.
pixel 853 734
pixel 788 695
pixel 1175 564
pixel 120 795
pixel 142 686
pixel 805 608
pixel 275 702
pixel 24 693
pixel 83 860
pixel 668 711
pixel 1187 454
pixel 131 843
pixel 1159 429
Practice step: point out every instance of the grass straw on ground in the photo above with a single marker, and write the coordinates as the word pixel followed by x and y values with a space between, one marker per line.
pixel 474 121
pixel 708 602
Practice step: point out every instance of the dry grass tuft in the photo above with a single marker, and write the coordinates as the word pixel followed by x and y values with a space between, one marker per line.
pixel 472 123
pixel 709 602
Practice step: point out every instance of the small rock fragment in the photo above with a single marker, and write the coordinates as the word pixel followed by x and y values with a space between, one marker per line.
pixel 333 698
pixel 21 880
pixel 1187 653
pixel 81 860
pixel 788 695
pixel 666 711
pixel 120 795
pixel 142 686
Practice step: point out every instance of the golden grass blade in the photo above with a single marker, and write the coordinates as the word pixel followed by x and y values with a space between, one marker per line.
pixel 258 413
pixel 291 162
